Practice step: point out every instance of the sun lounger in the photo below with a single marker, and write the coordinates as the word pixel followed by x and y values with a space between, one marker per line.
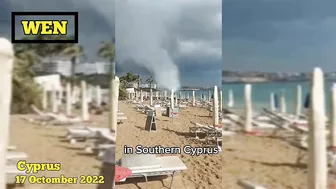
pixel 16 155
pixel 249 185
pixel 105 140
pixel 293 120
pixel 150 165
pixel 12 157
pixel 210 132
pixel 83 133
pixel 11 173
pixel 11 148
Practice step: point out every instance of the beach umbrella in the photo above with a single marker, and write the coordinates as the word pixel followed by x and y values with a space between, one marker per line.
pixel 151 97
pixel 60 95
pixel 165 95
pixel 215 117
pixel 298 101
pixel 220 100
pixel 44 97
pixel 333 116
pixel 283 106
pixel 89 94
pixel 98 95
pixel 85 109
pixel 307 101
pixel 231 99
pixel 68 99
pixel 141 96
pixel 276 101
pixel 114 96
pixel 272 102
pixel 75 94
pixel 248 108
pixel 7 61
pixel 54 100
pixel 172 99
pixel 317 154
pixel 193 99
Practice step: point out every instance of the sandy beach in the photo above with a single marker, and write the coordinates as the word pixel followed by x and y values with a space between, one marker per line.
pixel 45 144
pixel 204 171
pixel 269 161
pixel 264 160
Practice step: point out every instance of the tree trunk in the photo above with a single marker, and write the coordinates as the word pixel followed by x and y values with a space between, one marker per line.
pixel 73 71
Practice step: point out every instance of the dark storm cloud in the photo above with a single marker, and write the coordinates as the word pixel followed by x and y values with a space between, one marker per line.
pixel 96 19
pixel 93 27
pixel 278 35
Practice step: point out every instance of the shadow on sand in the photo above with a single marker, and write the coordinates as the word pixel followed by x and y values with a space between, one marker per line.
pixel 184 134
pixel 282 164
pixel 136 181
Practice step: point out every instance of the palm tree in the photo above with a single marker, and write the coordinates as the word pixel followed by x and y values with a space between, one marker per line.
pixel 25 91
pixel 150 81
pixel 107 51
pixel 73 52
pixel 138 80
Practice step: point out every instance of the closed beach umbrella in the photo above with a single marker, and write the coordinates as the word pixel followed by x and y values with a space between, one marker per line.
pixel 215 116
pixel 298 101
pixel 272 102
pixel 231 99
pixel 283 106
pixel 6 59
pixel 276 101
pixel 248 108
pixel 317 154
pixel 85 110
pixel 333 116
pixel 172 99
pixel 307 101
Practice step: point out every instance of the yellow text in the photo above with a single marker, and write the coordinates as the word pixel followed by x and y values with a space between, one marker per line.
pixel 36 167
pixel 41 27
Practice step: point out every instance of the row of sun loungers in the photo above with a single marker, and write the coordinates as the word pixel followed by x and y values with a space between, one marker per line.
pixel 12 157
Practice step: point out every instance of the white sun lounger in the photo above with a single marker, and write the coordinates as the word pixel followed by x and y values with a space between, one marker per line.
pixel 84 132
pixel 106 140
pixel 11 173
pixel 11 155
pixel 11 148
pixel 150 165
pixel 209 131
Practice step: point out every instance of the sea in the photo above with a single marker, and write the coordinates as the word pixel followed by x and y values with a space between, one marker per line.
pixel 261 94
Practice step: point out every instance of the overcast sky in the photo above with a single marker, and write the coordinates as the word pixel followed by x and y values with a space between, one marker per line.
pixel 192 41
pixel 279 35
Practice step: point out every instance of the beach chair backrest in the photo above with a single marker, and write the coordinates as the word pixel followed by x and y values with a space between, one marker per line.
pixel 36 110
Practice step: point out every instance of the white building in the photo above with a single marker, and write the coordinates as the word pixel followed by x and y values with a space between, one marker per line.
pixel 63 67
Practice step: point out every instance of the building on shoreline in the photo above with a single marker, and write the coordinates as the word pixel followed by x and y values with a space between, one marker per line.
pixel 63 67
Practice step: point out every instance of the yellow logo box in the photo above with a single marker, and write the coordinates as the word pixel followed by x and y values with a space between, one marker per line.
pixel 25 24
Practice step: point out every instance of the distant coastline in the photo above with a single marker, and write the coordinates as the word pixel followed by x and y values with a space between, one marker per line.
pixel 266 77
